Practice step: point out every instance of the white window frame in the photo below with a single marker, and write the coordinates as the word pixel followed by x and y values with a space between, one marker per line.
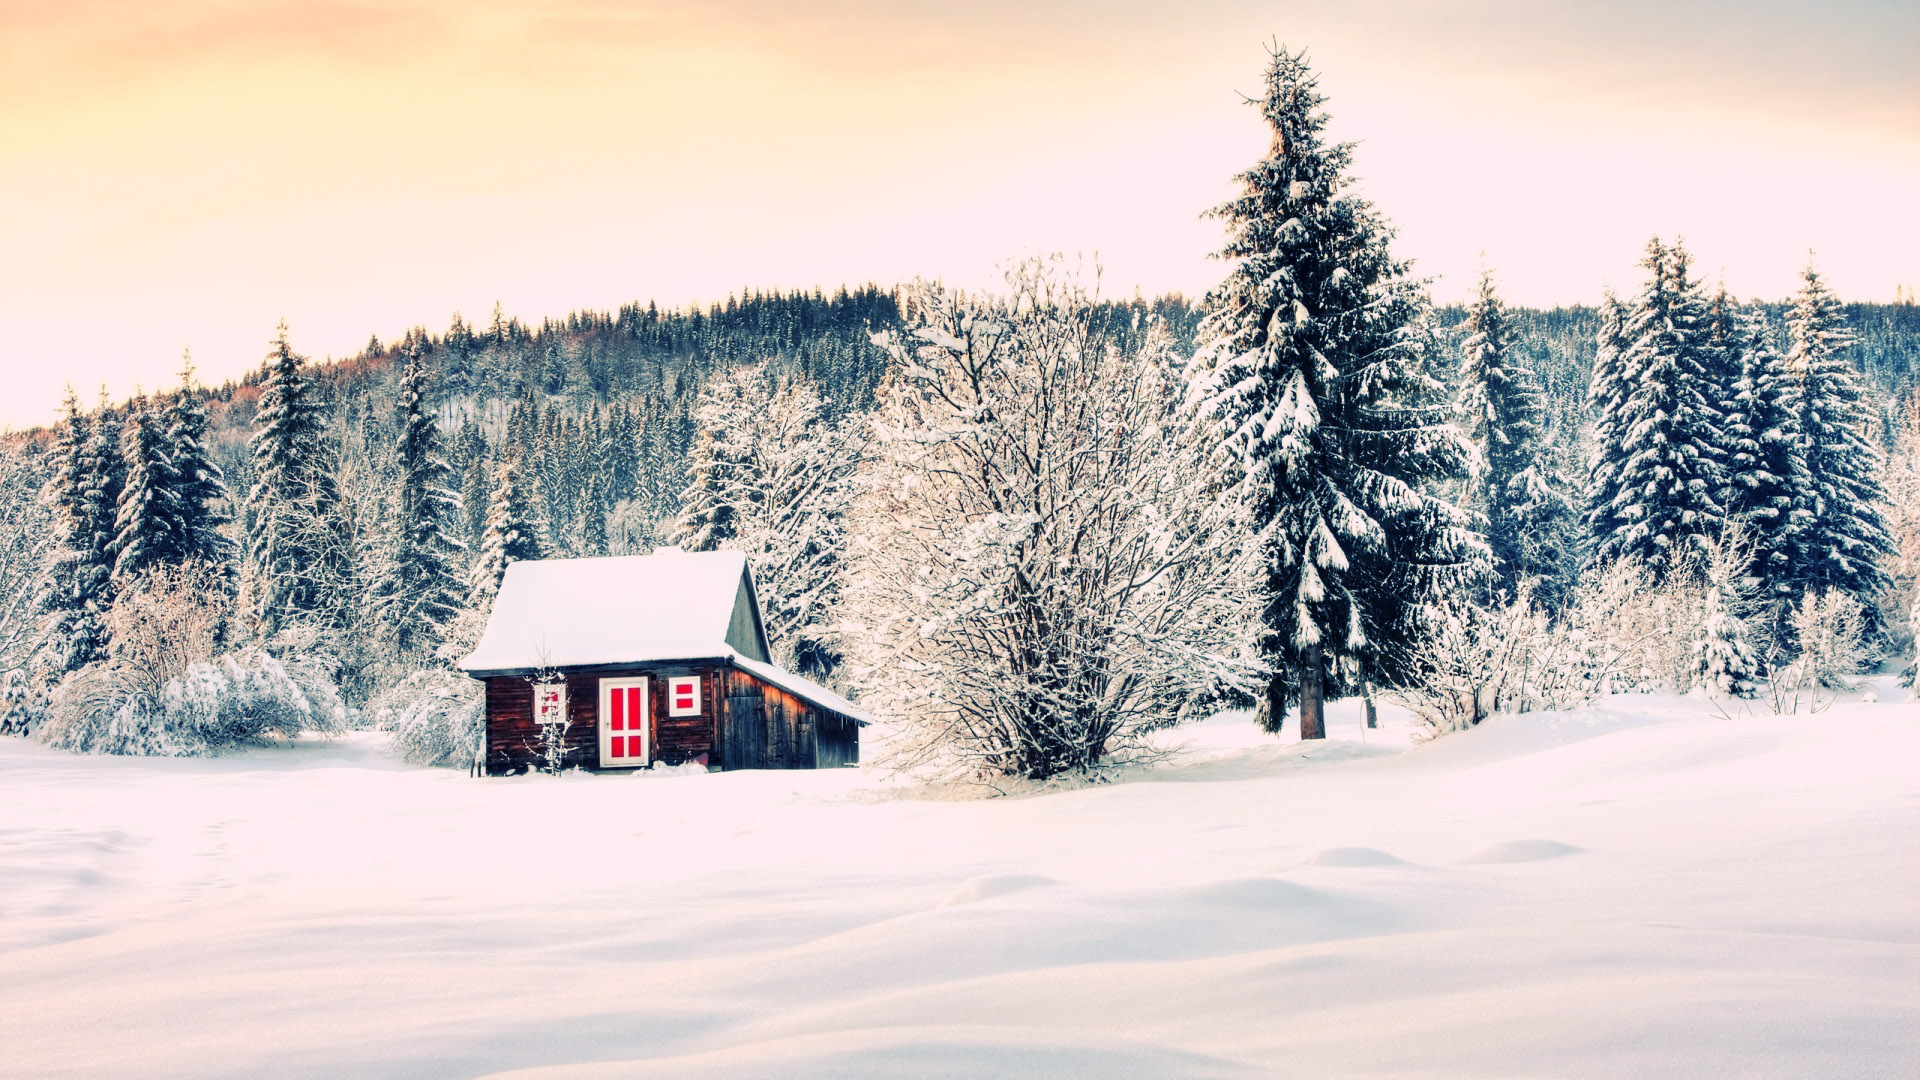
pixel 674 683
pixel 559 690
pixel 607 760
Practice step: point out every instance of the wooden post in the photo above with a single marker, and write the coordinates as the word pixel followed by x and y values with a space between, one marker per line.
pixel 1313 715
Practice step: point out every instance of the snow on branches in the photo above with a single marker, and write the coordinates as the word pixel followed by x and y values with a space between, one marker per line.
pixel 1038 573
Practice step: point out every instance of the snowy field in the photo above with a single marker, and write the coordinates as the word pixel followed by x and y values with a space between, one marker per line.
pixel 1646 889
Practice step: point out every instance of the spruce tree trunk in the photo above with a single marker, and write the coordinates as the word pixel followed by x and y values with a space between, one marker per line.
pixel 1313 719
pixel 1366 695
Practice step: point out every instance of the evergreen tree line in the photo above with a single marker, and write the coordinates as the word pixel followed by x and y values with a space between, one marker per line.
pixel 1382 458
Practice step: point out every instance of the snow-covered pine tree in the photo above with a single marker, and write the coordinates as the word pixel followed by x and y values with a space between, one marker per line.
pixel 774 479
pixel 1606 403
pixel 205 503
pixel 1766 462
pixel 1527 517
pixel 512 533
pixel 83 494
pixel 419 589
pixel 1327 411
pixel 1845 536
pixel 1723 661
pixel 296 562
pixel 1658 474
pixel 149 530
pixel 717 469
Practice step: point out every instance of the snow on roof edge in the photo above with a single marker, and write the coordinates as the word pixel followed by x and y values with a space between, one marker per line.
pixel 802 687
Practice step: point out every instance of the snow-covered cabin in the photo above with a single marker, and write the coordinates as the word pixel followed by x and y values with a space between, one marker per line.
pixel 649 658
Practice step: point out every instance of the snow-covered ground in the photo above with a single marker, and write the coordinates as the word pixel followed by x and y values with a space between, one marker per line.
pixel 1646 889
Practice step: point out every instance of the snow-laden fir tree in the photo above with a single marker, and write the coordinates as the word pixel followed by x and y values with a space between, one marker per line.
pixel 205 503
pixel 1766 461
pixel 149 530
pixel 774 478
pixel 719 469
pixel 1845 536
pixel 1528 519
pixel 419 587
pixel 513 533
pixel 83 495
pixel 1658 472
pixel 297 560
pixel 1723 661
pixel 1325 409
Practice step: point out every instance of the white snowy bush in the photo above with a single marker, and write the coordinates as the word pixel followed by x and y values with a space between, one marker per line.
pixel 434 717
pixel 1620 633
pixel 1035 579
pixel 239 699
pixel 1830 637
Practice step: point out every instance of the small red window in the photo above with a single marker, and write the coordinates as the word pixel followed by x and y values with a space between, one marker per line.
pixel 683 696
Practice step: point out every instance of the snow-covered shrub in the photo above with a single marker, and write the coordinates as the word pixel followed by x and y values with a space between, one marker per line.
pixel 436 717
pixel 1830 636
pixel 1621 632
pixel 237 699
pixel 1035 580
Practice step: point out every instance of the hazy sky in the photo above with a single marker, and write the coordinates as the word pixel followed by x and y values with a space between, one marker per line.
pixel 187 173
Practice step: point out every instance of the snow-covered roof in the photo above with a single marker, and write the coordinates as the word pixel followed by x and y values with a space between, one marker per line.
pixel 630 609
pixel 670 605
pixel 805 689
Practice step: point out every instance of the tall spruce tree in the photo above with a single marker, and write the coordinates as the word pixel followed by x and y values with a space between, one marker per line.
pixel 419 589
pixel 1659 472
pixel 205 503
pixel 1527 517
pixel 512 534
pixel 297 564
pixel 149 526
pixel 1766 461
pixel 1846 536
pixel 1327 415
pixel 83 493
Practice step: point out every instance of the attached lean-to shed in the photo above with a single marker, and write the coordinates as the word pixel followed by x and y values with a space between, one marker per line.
pixel 648 658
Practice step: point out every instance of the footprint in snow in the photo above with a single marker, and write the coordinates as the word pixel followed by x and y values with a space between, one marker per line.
pixel 1512 851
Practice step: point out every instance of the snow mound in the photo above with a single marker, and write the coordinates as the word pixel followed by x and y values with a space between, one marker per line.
pixel 1512 851
pixel 1353 856
pixel 988 886
pixel 908 1053
pixel 1254 892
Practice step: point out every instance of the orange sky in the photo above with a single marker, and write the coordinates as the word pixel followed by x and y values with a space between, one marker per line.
pixel 186 174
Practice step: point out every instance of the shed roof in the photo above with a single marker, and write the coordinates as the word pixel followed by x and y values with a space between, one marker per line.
pixel 802 688
pixel 670 605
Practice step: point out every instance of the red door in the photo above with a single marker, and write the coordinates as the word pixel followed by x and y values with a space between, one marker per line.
pixel 624 732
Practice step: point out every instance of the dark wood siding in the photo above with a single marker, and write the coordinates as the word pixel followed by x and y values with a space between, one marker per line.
pixel 764 727
pixel 515 743
pixel 744 723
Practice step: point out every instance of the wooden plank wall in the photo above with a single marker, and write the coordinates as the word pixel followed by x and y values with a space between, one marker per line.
pixel 515 742
pixel 765 727
pixel 678 739
pixel 744 723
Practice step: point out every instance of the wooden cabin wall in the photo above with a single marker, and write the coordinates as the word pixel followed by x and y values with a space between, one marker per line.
pixel 679 739
pixel 515 743
pixel 744 723
pixel 764 727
